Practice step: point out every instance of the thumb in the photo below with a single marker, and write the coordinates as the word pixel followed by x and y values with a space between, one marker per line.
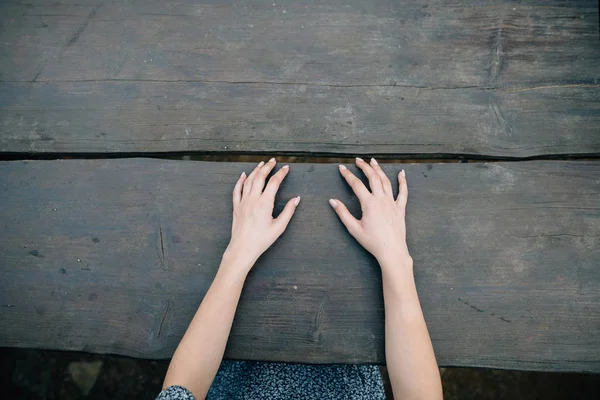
pixel 282 221
pixel 346 217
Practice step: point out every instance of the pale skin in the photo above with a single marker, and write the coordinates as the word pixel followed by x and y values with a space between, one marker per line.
pixel 381 231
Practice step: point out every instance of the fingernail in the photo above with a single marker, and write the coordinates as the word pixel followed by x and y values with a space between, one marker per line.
pixel 374 161
pixel 242 174
pixel 285 166
pixel 297 201
pixel 342 166
pixel 260 164
pixel 272 160
pixel 359 159
pixel 403 173
pixel 333 203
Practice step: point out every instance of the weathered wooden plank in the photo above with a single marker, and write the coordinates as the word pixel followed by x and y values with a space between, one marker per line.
pixel 32 35
pixel 114 256
pixel 153 117
pixel 301 77
pixel 425 43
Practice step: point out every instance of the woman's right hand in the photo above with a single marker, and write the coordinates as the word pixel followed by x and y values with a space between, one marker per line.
pixel 254 229
pixel 382 228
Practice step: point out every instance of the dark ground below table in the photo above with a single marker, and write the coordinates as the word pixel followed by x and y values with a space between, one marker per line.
pixel 38 374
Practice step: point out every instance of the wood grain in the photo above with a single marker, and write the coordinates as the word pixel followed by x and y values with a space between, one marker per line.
pixel 113 256
pixel 480 78
pixel 425 43
pixel 110 117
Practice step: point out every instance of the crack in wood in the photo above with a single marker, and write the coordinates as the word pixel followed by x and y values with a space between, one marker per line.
pixel 162 245
pixel 39 72
pixel 566 86
pixel 480 310
pixel 318 315
pixel 497 54
pixel 229 82
pixel 507 89
pixel 73 39
pixel 163 319
pixel 161 254
pixel 499 116
pixel 553 235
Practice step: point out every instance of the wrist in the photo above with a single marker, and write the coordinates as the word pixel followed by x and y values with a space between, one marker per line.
pixel 234 265
pixel 399 283
pixel 398 269
pixel 240 256
pixel 400 260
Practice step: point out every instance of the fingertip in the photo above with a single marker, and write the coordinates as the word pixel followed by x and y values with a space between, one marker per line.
pixel 403 174
pixel 358 160
pixel 342 167
pixel 241 180
pixel 374 162
pixel 345 216
pixel 286 167
pixel 287 213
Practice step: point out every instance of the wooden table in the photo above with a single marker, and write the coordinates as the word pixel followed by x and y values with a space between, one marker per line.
pixel 111 251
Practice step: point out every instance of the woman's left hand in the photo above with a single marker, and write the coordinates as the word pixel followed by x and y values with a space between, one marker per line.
pixel 254 229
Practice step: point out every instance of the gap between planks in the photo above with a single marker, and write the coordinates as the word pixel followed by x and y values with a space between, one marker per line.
pixel 298 158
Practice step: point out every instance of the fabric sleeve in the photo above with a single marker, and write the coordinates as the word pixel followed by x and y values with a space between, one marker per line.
pixel 175 393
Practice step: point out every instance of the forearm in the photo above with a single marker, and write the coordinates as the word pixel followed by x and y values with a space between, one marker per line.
pixel 199 354
pixel 253 230
pixel 410 358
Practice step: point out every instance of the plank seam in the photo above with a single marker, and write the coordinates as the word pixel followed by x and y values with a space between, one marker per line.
pixel 321 84
pixel 225 156
pixel 508 88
